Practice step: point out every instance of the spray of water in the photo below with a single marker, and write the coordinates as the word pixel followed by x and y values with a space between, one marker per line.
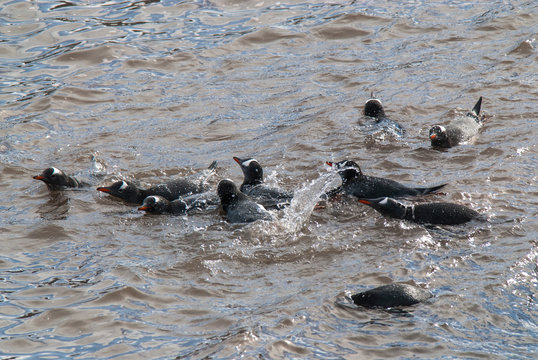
pixel 304 201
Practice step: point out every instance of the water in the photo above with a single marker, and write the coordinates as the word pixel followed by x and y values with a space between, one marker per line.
pixel 155 89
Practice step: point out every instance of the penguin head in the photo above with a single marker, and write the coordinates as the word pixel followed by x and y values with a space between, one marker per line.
pixel 439 136
pixel 154 204
pixel 347 169
pixel 53 177
pixel 227 191
pixel 124 190
pixel 374 108
pixel 386 206
pixel 252 170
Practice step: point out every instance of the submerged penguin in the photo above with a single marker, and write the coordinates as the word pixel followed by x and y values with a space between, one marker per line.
pixel 458 130
pixel 355 183
pixel 392 295
pixel 239 208
pixel 441 213
pixel 155 204
pixel 374 109
pixel 253 185
pixel 56 179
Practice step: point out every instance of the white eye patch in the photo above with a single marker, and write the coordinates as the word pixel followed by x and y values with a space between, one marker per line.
pixel 55 171
pixel 384 201
pixel 124 185
pixel 247 163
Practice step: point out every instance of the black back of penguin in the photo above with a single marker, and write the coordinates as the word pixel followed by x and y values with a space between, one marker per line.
pixel 458 130
pixel 392 295
pixel 355 183
pixel 440 213
pixel 239 208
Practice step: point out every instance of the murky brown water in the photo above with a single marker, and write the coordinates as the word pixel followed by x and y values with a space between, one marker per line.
pixel 155 89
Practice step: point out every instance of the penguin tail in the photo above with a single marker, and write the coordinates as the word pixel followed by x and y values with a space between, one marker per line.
pixel 213 165
pixel 431 189
pixel 477 106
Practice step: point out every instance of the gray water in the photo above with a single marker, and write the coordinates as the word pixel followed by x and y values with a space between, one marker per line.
pixel 150 90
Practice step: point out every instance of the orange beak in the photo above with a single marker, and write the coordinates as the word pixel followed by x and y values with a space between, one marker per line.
pixel 39 177
pixel 329 163
pixel 365 202
pixel 433 136
pixel 237 160
pixel 103 189
pixel 143 208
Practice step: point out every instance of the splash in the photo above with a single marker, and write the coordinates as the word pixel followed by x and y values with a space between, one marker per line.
pixel 303 203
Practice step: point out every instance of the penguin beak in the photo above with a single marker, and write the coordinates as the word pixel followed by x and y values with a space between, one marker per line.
pixel 433 136
pixel 39 177
pixel 237 160
pixel 365 202
pixel 329 163
pixel 103 189
pixel 143 208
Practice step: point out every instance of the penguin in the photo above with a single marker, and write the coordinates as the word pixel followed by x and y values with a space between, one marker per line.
pixel 239 208
pixel 373 108
pixel 156 204
pixel 355 183
pixel 56 179
pixel 440 213
pixel 171 190
pixel 458 130
pixel 253 185
pixel 392 295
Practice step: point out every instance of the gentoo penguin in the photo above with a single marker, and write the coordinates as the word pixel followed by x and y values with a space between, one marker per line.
pixel 374 109
pixel 355 183
pixel 155 204
pixel 392 295
pixel 170 190
pixel 458 130
pixel 159 205
pixel 56 179
pixel 440 213
pixel 253 185
pixel 239 208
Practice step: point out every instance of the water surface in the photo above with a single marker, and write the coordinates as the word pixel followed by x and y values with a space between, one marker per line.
pixel 150 90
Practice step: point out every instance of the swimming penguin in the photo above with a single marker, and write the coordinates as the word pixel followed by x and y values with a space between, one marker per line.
pixel 458 130
pixel 392 295
pixel 170 190
pixel 56 179
pixel 253 185
pixel 355 183
pixel 374 109
pixel 155 204
pixel 441 213
pixel 239 208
